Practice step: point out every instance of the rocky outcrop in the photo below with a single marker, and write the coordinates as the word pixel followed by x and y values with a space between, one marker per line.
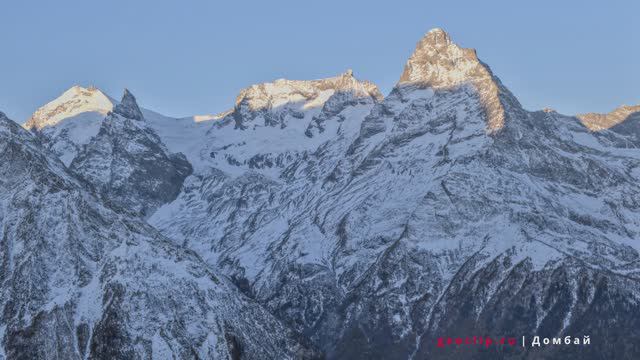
pixel 67 123
pixel 597 122
pixel 128 107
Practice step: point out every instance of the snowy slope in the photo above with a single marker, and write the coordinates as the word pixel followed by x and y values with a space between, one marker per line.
pixel 81 281
pixel 273 123
pixel 71 119
pixel 68 122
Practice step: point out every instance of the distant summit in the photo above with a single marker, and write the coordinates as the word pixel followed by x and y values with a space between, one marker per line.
pixel 274 103
pixel 76 100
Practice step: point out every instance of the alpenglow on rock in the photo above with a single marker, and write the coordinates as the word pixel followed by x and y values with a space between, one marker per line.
pixel 272 124
pixel 75 101
pixel 597 122
pixel 437 63
pixel 273 102
pixel 67 123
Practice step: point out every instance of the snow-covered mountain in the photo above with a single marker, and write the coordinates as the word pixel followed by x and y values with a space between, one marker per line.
pixel 623 114
pixel 71 120
pixel 128 163
pixel 371 226
pixel 82 281
pixel 282 120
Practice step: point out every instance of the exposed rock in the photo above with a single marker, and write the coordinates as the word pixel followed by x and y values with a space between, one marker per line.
pixel 439 64
pixel 128 163
pixel 597 122
pixel 67 123
pixel 128 107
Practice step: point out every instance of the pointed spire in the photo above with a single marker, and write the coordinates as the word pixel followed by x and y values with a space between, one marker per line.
pixel 10 129
pixel 128 107
pixel 597 122
pixel 439 63
pixel 74 101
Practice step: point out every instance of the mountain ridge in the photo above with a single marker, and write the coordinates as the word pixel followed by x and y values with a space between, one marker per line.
pixel 372 225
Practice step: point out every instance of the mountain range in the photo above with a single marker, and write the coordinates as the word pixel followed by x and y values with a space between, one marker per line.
pixel 321 219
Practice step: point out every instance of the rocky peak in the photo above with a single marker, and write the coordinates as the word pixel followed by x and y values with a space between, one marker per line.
pixel 282 90
pixel 128 107
pixel 283 97
pixel 436 38
pixel 597 122
pixel 73 102
pixel 347 82
pixel 440 64
pixel 5 124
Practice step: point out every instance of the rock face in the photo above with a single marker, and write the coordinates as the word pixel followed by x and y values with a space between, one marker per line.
pixel 278 103
pixel 596 122
pixel 272 124
pixel 128 164
pixel 372 226
pixel 439 64
pixel 79 280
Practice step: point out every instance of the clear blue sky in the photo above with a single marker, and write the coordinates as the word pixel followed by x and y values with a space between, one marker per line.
pixel 190 57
